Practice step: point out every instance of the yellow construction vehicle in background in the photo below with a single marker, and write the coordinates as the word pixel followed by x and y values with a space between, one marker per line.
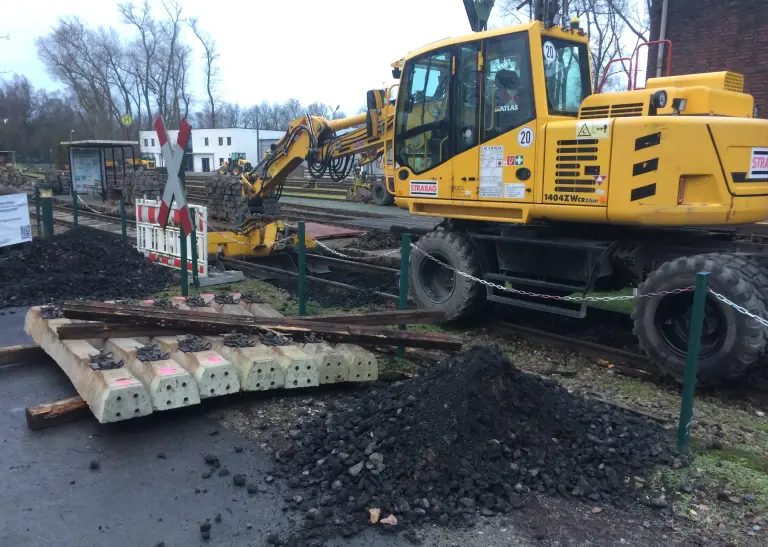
pixel 235 165
pixel 310 138
pixel 147 161
pixel 539 186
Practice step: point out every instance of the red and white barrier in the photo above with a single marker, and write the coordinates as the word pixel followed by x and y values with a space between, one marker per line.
pixel 163 246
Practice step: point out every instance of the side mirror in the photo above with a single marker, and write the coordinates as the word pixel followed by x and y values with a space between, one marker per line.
pixel 396 72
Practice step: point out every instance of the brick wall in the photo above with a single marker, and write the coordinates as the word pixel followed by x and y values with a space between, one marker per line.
pixel 716 35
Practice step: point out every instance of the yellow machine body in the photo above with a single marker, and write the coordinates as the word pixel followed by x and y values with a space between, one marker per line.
pixel 619 158
pixel 256 239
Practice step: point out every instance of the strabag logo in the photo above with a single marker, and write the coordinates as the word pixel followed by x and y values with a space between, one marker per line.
pixel 570 198
pixel 424 188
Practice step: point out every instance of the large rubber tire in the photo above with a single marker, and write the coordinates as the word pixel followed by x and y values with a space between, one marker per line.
pixel 732 342
pixel 222 170
pixel 236 170
pixel 380 194
pixel 434 286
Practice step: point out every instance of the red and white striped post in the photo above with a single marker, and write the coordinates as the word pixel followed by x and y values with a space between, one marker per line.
pixel 173 157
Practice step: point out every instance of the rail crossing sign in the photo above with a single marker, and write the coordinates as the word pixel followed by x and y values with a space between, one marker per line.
pixel 173 157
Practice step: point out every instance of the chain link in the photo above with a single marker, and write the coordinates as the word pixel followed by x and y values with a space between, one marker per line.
pixel 738 308
pixel 569 298
pixel 342 255
pixel 94 210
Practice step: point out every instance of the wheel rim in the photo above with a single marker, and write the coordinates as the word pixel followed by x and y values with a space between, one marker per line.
pixel 673 323
pixel 438 282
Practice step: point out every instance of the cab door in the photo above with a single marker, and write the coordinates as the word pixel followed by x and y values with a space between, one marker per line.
pixel 424 130
pixel 508 136
pixel 466 121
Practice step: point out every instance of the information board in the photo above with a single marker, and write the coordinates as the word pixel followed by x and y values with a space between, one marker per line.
pixel 14 220
pixel 87 168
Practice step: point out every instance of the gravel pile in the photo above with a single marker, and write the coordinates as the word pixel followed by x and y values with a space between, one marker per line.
pixel 376 239
pixel 81 263
pixel 475 437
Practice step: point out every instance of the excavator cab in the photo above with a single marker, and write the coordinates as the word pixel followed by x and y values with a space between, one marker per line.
pixel 470 109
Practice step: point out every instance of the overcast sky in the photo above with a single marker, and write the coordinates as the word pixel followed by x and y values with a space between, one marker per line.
pixel 331 51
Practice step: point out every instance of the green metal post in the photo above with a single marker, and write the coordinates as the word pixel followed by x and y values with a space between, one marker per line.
pixel 46 204
pixel 691 363
pixel 75 215
pixel 123 220
pixel 38 215
pixel 302 271
pixel 193 246
pixel 183 249
pixel 405 253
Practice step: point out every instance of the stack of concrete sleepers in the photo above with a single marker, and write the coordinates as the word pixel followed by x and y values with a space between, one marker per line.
pixel 173 375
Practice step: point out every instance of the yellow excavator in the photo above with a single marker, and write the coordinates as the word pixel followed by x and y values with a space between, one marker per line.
pixel 540 186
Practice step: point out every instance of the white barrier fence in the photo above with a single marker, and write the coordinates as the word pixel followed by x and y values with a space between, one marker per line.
pixel 163 246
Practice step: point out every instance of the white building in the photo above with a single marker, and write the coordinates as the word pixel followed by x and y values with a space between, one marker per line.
pixel 212 147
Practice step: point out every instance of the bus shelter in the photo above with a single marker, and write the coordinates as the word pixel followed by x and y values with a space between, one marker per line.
pixel 91 162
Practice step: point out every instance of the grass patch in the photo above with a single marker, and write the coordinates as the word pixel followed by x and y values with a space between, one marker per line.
pixel 271 294
pixel 388 363
pixel 621 306
pixel 737 470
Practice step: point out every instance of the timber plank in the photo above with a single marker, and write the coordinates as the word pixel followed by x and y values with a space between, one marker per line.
pixel 18 355
pixel 212 323
pixel 56 413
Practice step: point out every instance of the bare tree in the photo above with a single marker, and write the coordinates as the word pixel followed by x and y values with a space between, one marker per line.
pixel 85 61
pixel 144 49
pixel 614 27
pixel 211 57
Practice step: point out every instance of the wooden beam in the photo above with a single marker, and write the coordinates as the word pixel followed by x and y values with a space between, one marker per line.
pixel 196 322
pixel 17 355
pixel 60 412
pixel 383 318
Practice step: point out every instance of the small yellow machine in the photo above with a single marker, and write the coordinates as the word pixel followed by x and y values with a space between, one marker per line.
pixel 147 161
pixel 235 165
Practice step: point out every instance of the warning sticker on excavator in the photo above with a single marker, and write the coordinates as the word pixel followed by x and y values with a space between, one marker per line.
pixel 593 129
pixel 424 188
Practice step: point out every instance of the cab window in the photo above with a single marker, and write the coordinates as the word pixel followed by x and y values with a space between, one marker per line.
pixel 508 92
pixel 566 70
pixel 423 123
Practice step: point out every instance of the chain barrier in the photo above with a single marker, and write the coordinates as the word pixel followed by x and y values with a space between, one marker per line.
pixel 569 298
pixel 94 210
pixel 342 255
pixel 738 308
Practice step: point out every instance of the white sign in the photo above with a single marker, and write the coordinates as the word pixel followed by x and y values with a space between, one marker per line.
pixel 758 165
pixel 550 53
pixel 514 190
pixel 87 168
pixel 14 220
pixel 525 137
pixel 424 188
pixel 593 129
pixel 491 171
